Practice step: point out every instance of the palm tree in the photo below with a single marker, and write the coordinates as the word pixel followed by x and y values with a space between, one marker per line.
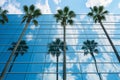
pixel 98 15
pixel 3 16
pixel 55 49
pixel 65 17
pixel 30 15
pixel 89 47
pixel 22 49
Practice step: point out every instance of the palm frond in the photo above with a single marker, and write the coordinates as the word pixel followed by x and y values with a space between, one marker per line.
pixel 96 51
pixel 31 8
pixel 91 9
pixel 60 12
pixel 95 18
pixel 5 12
pixel 85 52
pixel 105 12
pixel 90 14
pixel 103 18
pixel 70 22
pixel 95 8
pixel 66 10
pixel 24 19
pixel 58 17
pixel 71 14
pixel 10 49
pixel 57 41
pixel 25 8
pixel 37 13
pixel 100 8
pixel 35 22
pixel 4 17
pixel 0 9
pixel 2 21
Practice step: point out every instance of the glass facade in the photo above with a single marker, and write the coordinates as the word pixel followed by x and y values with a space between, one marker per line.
pixel 37 64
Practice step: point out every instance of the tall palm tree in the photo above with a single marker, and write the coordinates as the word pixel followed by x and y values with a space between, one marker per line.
pixel 98 15
pixel 65 17
pixel 21 49
pixel 3 16
pixel 30 15
pixel 55 49
pixel 89 47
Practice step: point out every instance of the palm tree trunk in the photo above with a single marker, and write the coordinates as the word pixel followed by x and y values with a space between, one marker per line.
pixel 12 63
pixel 57 68
pixel 10 58
pixel 96 65
pixel 64 55
pixel 115 51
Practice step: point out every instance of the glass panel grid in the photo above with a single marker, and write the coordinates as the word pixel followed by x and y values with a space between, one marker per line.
pixel 37 64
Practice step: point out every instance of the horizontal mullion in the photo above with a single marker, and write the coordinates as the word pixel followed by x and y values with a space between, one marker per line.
pixel 70 52
pixel 66 38
pixel 54 34
pixel 62 73
pixel 61 62
pixel 56 28
pixel 111 23
pixel 47 45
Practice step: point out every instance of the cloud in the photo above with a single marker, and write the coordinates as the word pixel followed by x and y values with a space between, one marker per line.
pixel 12 6
pixel 69 59
pixel 57 1
pixel 2 2
pixel 92 77
pixel 82 16
pixel 29 36
pixel 51 68
pixel 119 5
pixel 53 76
pixel 71 77
pixel 33 27
pixel 91 3
pixel 45 9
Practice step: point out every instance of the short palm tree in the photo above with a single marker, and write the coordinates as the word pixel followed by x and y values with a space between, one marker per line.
pixel 3 16
pixel 65 17
pixel 30 15
pixel 55 49
pixel 90 47
pixel 98 15
pixel 22 49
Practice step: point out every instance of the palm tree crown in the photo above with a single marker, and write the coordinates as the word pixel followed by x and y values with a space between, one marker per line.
pixel 56 47
pixel 21 49
pixel 3 16
pixel 30 14
pixel 90 47
pixel 65 16
pixel 97 13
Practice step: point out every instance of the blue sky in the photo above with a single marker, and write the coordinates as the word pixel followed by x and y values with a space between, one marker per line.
pixel 50 6
pixel 81 29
